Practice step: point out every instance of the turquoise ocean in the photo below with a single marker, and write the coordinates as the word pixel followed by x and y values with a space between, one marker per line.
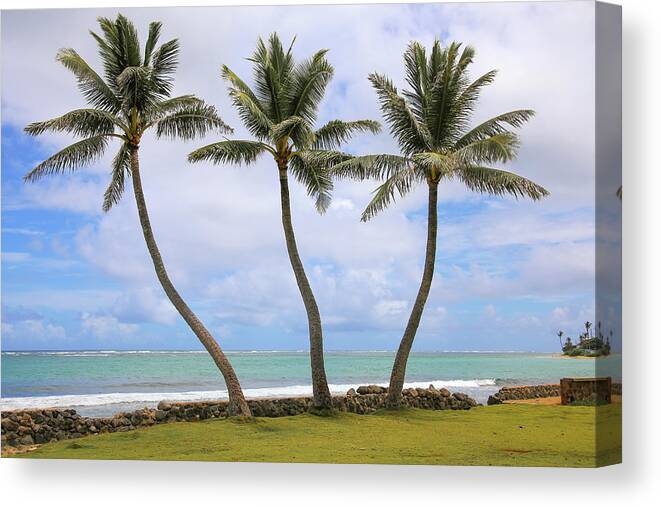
pixel 104 382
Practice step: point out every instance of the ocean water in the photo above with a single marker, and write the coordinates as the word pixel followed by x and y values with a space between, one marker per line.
pixel 104 382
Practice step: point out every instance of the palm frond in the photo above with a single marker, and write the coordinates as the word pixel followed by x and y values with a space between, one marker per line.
pixel 72 157
pixel 164 64
pixel 446 116
pixel 230 152
pixel 90 84
pixel 337 132
pixel 163 107
pixel 152 40
pixel 370 167
pixel 400 182
pixel 121 167
pixel 496 125
pixel 316 179
pixel 118 48
pixel 251 111
pixel 295 128
pixel 308 84
pixel 498 182
pixel 327 159
pixel 80 122
pixel 497 148
pixel 411 135
pixel 128 38
pixel 415 62
pixel 434 165
pixel 463 106
pixel 272 75
pixel 191 121
pixel 134 85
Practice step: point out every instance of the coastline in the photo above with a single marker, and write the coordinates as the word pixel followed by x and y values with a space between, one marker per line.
pixel 101 383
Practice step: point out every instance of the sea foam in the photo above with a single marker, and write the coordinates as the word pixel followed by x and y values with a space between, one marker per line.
pixel 91 400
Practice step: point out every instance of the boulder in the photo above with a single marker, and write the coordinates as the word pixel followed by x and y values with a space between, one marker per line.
pixel 26 440
pixel 371 389
pixel 164 405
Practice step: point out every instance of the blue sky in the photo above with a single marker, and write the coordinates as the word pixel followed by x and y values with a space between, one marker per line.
pixel 509 274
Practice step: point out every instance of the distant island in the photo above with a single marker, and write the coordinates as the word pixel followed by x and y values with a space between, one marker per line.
pixel 587 345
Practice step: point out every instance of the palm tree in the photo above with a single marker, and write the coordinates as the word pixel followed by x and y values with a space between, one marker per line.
pixel 588 325
pixel 131 98
pixel 430 122
pixel 560 334
pixel 280 111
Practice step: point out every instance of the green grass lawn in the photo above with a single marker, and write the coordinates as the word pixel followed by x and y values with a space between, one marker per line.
pixel 509 435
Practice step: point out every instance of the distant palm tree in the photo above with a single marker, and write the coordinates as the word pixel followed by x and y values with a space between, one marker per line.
pixel 131 98
pixel 560 334
pixel 430 121
pixel 280 111
pixel 588 325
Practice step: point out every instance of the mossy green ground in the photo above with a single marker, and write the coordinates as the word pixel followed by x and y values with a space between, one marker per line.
pixel 509 435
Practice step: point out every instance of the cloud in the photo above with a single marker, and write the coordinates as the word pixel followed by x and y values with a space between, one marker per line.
pixel 219 228
pixel 104 326
pixel 144 305
pixel 21 324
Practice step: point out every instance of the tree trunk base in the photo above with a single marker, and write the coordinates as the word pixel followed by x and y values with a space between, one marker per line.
pixel 393 403
pixel 323 411
pixel 239 409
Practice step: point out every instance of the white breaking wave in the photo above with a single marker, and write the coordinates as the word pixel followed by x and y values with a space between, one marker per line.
pixel 91 400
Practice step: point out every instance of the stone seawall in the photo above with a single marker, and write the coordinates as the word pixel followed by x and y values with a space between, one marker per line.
pixel 531 392
pixel 39 426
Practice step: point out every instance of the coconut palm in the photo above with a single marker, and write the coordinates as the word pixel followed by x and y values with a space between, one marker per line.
pixel 134 96
pixel 431 123
pixel 280 111
pixel 560 334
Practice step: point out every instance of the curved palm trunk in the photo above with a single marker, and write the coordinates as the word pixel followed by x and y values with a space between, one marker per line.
pixel 394 398
pixel 320 392
pixel 237 402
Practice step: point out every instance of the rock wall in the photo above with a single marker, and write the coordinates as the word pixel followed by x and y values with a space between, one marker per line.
pixel 582 390
pixel 531 392
pixel 30 427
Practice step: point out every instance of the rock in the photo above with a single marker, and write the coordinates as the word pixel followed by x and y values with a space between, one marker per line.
pixel 351 392
pixel 444 392
pixel 161 414
pixel 26 440
pixel 9 425
pixel 371 389
pixel 460 396
pixel 164 405
pixel 494 400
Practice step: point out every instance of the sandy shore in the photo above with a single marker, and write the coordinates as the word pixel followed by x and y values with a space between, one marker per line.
pixel 615 398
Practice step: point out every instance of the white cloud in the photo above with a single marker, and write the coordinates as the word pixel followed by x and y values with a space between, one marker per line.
pixel 219 228
pixel 104 326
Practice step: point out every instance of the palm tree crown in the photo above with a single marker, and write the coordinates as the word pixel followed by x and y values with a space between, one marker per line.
pixel 431 123
pixel 132 97
pixel 280 111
